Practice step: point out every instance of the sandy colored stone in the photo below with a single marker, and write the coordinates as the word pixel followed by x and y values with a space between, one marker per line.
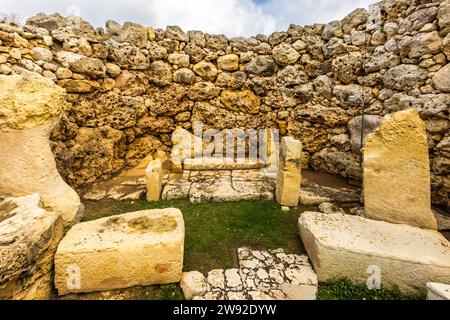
pixel 138 248
pixel 229 62
pixel 32 107
pixel 154 175
pixel 396 172
pixel 29 236
pixel 346 246
pixel 202 164
pixel 193 284
pixel 438 291
pixel 288 180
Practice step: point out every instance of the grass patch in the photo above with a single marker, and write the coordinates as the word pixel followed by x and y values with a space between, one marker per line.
pixel 344 289
pixel 215 230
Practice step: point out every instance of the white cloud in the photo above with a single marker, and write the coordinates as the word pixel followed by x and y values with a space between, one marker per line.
pixel 231 17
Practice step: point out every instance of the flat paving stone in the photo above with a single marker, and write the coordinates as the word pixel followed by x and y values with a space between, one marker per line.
pixel 263 275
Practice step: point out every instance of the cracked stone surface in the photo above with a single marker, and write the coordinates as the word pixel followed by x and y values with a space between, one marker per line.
pixel 219 186
pixel 263 275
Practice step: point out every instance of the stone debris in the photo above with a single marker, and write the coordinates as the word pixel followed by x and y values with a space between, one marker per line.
pixel 29 236
pixel 132 249
pixel 438 291
pixel 193 284
pixel 263 275
pixel 396 172
pixel 31 106
pixel 349 246
pixel 330 208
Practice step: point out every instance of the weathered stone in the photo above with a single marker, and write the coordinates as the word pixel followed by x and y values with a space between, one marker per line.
pixel 443 15
pixel 175 33
pixel 29 235
pixel 154 176
pixel 396 158
pixel 43 54
pixel 184 76
pixel 235 80
pixel 371 123
pixel 289 173
pixel 160 73
pixel 441 79
pixel 32 106
pixel 350 246
pixel 262 66
pixel 229 62
pixel 203 91
pixel 206 70
pixel 243 101
pixel 404 77
pixel 81 64
pixel 347 67
pixel 107 253
pixel 284 54
pixel 428 105
pixel 330 208
pixel 438 291
pixel 193 284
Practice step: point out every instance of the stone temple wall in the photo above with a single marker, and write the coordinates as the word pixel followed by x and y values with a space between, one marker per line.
pixel 129 86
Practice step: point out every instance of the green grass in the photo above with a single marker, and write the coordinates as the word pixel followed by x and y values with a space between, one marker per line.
pixel 214 231
pixel 344 289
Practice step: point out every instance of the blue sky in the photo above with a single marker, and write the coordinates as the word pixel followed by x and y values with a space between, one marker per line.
pixel 230 17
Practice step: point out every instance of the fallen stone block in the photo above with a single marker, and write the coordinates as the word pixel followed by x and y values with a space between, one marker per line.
pixel 29 236
pixel 349 246
pixel 397 172
pixel 438 291
pixel 132 249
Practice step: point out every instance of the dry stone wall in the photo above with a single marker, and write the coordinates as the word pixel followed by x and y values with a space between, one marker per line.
pixel 129 86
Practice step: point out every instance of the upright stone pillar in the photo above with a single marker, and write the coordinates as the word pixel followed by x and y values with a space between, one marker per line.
pixel 30 107
pixel 397 172
pixel 288 181
pixel 154 174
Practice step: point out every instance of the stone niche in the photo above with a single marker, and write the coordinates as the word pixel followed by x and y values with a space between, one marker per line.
pixel 30 107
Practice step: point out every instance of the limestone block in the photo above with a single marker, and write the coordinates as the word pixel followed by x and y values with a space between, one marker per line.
pixel 201 164
pixel 287 191
pixel 291 155
pixel 29 236
pixel 288 180
pixel 154 175
pixel 396 172
pixel 138 248
pixel 438 291
pixel 193 284
pixel 31 107
pixel 341 245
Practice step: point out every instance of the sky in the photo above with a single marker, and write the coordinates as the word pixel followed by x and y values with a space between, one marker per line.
pixel 230 17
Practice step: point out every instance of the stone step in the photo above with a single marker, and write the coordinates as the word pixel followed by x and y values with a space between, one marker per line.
pixel 133 249
pixel 349 246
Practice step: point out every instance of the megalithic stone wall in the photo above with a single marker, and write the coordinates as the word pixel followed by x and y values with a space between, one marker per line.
pixel 129 86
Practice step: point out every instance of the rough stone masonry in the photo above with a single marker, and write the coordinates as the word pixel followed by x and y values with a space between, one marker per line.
pixel 130 86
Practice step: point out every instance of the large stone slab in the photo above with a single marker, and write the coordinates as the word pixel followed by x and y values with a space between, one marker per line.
pixel 397 172
pixel 138 248
pixel 31 107
pixel 288 180
pixel 341 245
pixel 29 236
